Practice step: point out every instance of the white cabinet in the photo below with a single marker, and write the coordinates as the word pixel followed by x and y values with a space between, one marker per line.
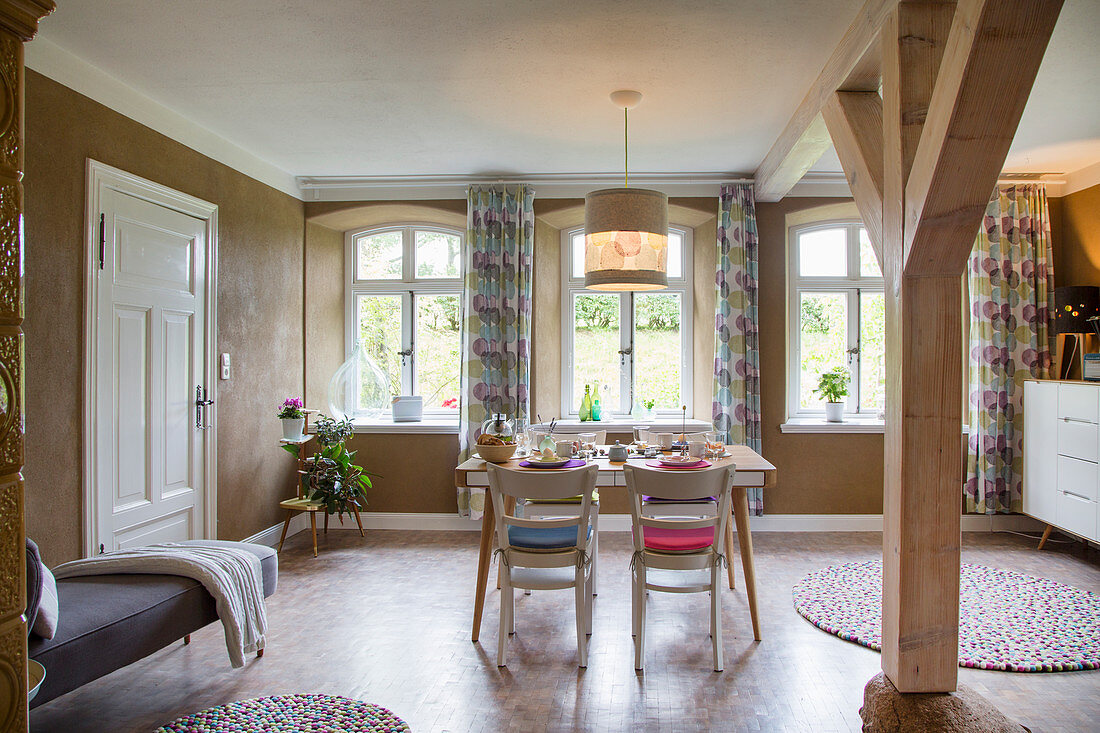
pixel 1061 454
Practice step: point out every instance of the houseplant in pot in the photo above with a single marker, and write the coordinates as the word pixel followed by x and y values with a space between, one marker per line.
pixel 833 388
pixel 332 477
pixel 293 416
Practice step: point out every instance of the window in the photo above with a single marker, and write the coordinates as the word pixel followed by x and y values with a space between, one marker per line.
pixel 404 293
pixel 635 346
pixel 837 317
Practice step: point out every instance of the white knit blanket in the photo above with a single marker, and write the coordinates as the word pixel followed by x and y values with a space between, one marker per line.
pixel 232 575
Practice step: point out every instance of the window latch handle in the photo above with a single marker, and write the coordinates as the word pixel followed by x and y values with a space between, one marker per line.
pixel 405 355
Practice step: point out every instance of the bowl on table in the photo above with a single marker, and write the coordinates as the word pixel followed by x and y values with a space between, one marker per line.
pixel 496 453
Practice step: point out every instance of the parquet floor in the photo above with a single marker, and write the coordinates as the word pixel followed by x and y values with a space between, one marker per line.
pixel 387 620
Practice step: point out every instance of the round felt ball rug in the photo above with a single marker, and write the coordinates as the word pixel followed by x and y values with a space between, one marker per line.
pixel 1008 621
pixel 290 714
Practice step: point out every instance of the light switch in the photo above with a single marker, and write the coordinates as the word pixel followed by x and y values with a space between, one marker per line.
pixel 225 366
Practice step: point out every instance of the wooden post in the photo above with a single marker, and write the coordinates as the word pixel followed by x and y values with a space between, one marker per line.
pixel 18 23
pixel 955 79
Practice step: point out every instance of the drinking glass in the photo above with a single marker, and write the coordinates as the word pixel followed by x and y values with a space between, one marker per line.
pixel 715 446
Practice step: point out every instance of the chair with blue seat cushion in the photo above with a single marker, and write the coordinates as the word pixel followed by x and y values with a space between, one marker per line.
pixel 567 506
pixel 676 555
pixel 544 554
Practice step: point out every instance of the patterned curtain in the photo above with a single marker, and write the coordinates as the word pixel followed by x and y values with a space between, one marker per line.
pixel 496 317
pixel 736 405
pixel 1011 277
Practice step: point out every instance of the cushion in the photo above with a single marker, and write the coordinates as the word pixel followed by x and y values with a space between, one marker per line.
pixel 544 538
pixel 34 583
pixel 659 500
pixel 45 624
pixel 567 500
pixel 677 540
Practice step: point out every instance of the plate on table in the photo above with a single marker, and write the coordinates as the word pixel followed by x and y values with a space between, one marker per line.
pixel 678 462
pixel 540 462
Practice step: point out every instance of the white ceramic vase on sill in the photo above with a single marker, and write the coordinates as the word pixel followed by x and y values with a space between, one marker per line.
pixel 292 427
pixel 834 412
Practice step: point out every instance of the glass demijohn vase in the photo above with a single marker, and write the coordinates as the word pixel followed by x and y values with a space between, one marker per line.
pixel 359 387
pixel 586 405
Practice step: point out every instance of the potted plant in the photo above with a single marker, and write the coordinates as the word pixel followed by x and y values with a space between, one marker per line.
pixel 331 476
pixel 650 413
pixel 833 387
pixel 293 417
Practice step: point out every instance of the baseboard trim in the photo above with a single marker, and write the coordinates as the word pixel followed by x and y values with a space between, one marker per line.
pixel 270 536
pixel 621 523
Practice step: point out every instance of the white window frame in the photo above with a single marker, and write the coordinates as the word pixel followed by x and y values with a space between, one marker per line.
pixel 572 285
pixel 407 287
pixel 852 285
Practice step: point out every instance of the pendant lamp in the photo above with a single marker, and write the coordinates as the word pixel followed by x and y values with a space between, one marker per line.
pixel 626 229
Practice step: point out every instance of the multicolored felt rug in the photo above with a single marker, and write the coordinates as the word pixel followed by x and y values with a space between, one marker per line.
pixel 290 714
pixel 1008 621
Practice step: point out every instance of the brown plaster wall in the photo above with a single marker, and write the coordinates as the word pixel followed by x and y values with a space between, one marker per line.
pixel 324 304
pixel 817 474
pixel 259 311
pixel 1076 218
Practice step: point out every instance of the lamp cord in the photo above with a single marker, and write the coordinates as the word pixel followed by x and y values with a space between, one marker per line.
pixel 626 148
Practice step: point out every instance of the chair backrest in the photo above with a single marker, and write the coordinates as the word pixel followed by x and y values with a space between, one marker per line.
pixel 683 485
pixel 542 484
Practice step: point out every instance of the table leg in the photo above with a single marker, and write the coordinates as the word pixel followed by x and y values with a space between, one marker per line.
pixel 313 527
pixel 1046 536
pixel 741 516
pixel 488 519
pixel 326 522
pixel 729 553
pixel 286 526
pixel 355 510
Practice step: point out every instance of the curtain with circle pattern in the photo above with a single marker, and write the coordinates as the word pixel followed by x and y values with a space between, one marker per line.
pixel 736 403
pixel 496 319
pixel 1011 279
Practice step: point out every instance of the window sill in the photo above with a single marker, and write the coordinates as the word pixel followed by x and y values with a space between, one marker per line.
pixel 860 425
pixel 852 425
pixel 430 425
pixel 624 424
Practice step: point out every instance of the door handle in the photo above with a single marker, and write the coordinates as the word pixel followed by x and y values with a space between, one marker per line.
pixel 201 401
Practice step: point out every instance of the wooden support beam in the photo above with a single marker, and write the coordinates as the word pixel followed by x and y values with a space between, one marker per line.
pixel 853 66
pixel 854 120
pixel 993 53
pixel 931 69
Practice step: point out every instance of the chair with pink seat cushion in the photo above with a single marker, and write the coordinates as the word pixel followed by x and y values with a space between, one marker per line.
pixel 678 555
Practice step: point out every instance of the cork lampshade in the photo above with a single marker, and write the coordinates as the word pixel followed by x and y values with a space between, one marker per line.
pixel 626 239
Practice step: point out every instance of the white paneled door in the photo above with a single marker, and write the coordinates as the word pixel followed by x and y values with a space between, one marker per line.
pixel 150 373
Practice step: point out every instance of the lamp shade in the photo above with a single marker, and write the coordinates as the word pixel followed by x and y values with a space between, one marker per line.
pixel 626 239
pixel 1073 305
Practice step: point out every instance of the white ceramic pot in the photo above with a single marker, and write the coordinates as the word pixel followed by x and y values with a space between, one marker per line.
pixel 834 412
pixel 292 427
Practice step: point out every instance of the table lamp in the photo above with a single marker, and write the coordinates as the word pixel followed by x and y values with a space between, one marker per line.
pixel 1074 305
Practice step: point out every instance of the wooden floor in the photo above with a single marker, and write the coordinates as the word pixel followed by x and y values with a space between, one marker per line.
pixel 387 620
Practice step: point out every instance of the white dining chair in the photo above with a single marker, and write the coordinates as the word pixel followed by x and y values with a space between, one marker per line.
pixel 544 554
pixel 675 555
pixel 569 506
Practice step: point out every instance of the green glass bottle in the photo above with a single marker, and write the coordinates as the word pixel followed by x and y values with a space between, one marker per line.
pixel 596 410
pixel 586 405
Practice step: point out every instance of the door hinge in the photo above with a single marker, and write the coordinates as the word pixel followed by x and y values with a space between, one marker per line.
pixel 102 237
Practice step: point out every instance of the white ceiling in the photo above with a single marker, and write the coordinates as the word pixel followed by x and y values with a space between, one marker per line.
pixel 499 87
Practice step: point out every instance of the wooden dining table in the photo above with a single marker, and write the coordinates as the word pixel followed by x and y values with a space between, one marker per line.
pixel 752 471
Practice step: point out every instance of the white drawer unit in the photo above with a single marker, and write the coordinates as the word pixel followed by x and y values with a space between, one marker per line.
pixel 1079 402
pixel 1062 455
pixel 1077 477
pixel 1077 439
pixel 1076 514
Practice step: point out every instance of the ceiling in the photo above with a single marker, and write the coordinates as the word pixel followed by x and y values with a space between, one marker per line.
pixel 499 87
